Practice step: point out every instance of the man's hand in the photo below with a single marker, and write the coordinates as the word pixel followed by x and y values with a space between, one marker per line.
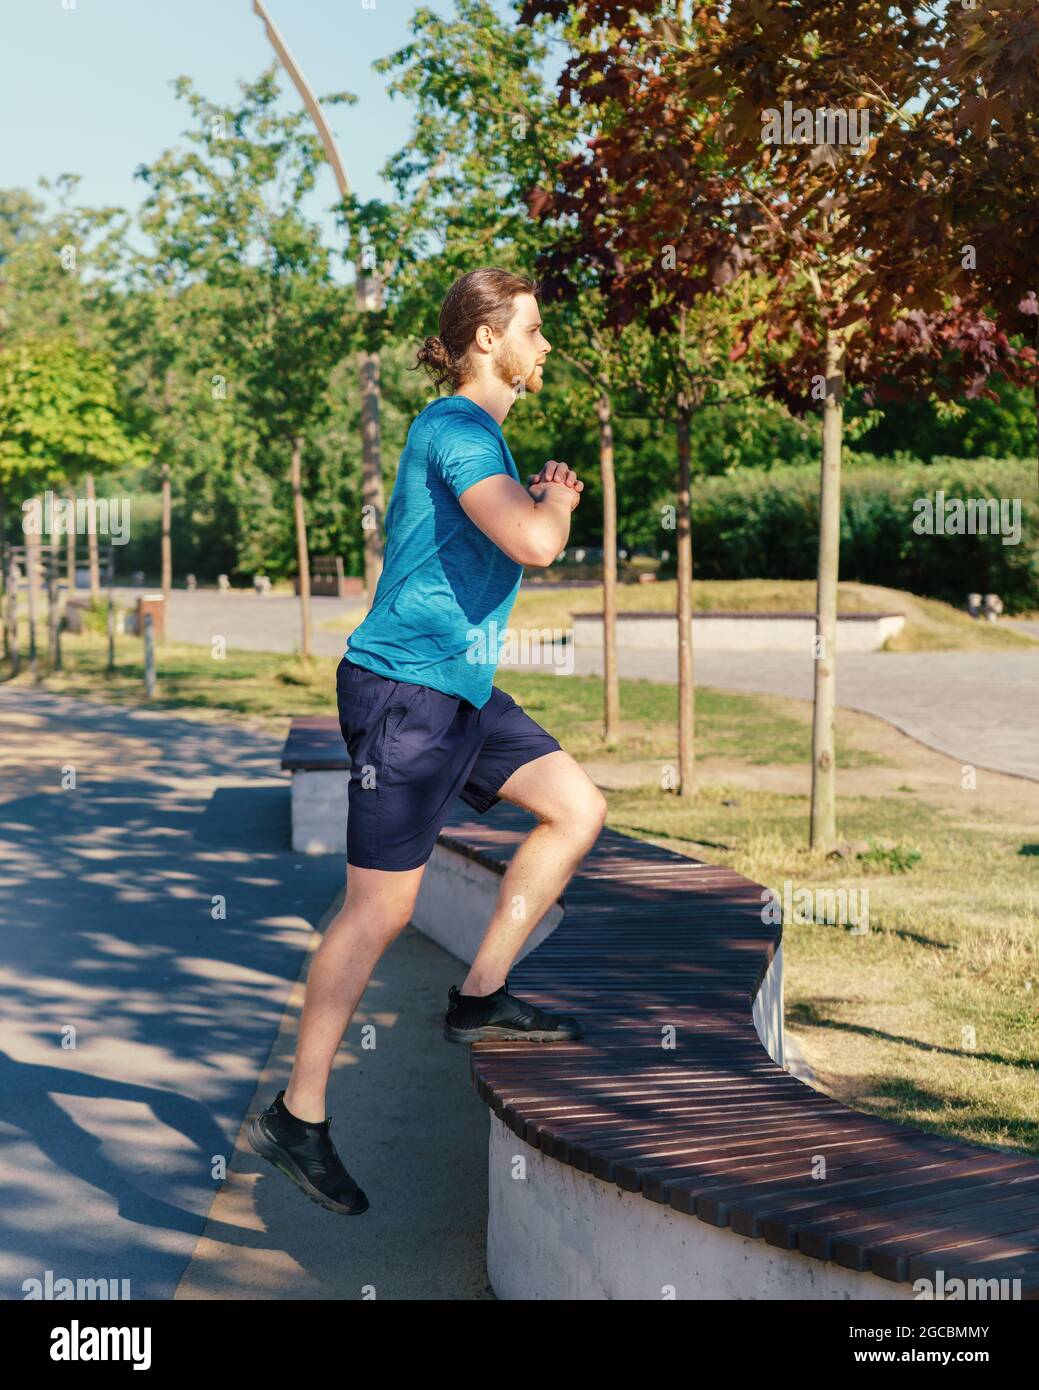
pixel 555 475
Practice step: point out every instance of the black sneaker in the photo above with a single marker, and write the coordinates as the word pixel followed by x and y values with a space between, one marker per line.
pixel 305 1153
pixel 477 1017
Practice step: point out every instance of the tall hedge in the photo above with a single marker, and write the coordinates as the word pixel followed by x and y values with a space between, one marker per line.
pixel 764 525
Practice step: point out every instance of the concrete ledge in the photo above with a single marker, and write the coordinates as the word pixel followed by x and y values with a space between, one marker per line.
pixel 319 811
pixel 557 1233
pixel 456 899
pixel 740 632
pixel 554 1232
pixel 767 1010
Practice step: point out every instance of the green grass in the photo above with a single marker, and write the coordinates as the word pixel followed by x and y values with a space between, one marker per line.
pixel 262 685
pixel 953 896
pixel 269 686
pixel 953 945
pixel 755 728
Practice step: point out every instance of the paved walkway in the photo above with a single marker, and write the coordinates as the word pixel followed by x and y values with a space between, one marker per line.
pixel 978 707
pixel 268 624
pixel 111 1148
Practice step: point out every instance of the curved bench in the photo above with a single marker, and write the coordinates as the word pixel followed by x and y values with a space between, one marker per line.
pixel 667 1152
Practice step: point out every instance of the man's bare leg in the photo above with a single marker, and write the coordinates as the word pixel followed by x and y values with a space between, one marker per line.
pixel 571 810
pixel 377 908
pixel 379 903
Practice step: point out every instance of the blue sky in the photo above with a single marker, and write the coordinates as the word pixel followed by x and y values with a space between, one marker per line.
pixel 86 90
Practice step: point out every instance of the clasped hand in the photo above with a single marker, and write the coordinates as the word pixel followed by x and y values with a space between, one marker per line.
pixel 556 474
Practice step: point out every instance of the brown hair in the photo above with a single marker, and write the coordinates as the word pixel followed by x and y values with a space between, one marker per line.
pixel 482 296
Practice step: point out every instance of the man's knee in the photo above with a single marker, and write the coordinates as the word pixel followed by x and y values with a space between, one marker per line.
pixel 380 902
pixel 583 812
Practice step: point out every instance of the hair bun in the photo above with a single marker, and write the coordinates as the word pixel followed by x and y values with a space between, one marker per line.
pixel 434 351
pixel 435 356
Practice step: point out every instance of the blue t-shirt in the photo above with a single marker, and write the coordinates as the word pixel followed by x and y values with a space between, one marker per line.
pixel 446 590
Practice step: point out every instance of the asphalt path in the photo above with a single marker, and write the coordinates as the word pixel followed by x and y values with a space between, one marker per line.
pixel 155 928
pixel 981 707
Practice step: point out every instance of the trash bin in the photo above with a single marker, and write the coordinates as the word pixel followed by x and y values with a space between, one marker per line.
pixel 155 604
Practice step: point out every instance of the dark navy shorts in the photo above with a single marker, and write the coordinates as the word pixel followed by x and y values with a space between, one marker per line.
pixel 413 752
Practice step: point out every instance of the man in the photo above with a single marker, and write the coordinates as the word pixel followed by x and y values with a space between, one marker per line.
pixel 424 723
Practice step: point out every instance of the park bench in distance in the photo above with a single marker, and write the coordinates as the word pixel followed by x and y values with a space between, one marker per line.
pixel 327 579
pixel 316 755
pixel 690 1167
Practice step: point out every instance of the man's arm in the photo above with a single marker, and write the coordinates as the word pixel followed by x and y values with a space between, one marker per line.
pixel 532 526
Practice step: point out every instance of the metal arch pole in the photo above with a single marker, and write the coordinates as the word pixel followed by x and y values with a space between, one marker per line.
pixel 369 296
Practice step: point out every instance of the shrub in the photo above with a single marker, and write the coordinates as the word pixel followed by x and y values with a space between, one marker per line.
pixel 753 525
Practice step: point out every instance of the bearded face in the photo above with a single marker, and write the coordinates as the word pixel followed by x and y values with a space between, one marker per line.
pixel 520 369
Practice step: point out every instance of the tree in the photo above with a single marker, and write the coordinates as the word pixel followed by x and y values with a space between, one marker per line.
pixel 684 160
pixel 155 362
pixel 486 134
pixel 962 177
pixel 58 281
pixel 59 416
pixel 226 215
pixel 59 419
pixel 627 237
pixel 369 298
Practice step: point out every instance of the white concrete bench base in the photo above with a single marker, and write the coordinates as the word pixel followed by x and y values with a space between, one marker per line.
pixel 554 1232
pixel 455 902
pixel 557 1233
pixel 319 809
pixel 736 633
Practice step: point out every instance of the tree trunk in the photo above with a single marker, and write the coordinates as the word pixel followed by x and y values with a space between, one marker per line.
pixel 12 614
pixel 32 547
pixel 684 567
pixel 167 555
pixel 53 619
pixel 70 544
pixel 610 675
pixel 95 572
pixel 110 631
pixel 824 770
pixel 3 572
pixel 369 297
pixel 302 555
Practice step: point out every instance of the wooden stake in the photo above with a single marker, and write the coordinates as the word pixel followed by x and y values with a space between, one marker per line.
pixel 302 555
pixel 823 835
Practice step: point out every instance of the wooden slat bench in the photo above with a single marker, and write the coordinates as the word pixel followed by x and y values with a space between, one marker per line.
pixel 315 744
pixel 653 945
pixel 327 579
pixel 316 755
pixel 714 1127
